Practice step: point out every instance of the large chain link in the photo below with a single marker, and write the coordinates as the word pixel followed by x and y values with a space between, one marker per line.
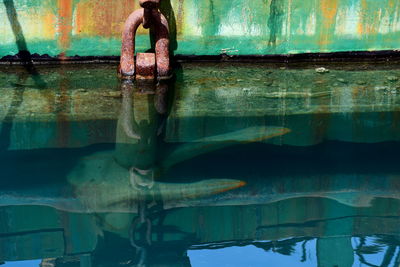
pixel 142 181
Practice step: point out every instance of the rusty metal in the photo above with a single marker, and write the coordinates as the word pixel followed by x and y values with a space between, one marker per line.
pixel 149 16
pixel 150 4
pixel 145 66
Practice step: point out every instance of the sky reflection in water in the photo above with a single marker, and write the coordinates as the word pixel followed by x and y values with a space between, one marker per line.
pixel 305 166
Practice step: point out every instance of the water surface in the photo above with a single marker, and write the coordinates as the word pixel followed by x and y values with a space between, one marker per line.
pixel 225 165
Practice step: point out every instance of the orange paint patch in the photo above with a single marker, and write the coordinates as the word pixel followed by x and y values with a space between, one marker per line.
pixel 392 4
pixel 65 22
pixel 280 132
pixel 230 186
pixel 360 28
pixel 218 187
pixel 364 27
pixel 329 10
pixel 370 23
pixel 362 21
pixel 104 18
pixel 49 22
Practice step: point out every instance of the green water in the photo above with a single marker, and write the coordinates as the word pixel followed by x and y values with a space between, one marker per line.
pixel 228 164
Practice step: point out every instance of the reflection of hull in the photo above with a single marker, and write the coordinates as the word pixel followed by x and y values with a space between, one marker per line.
pixel 98 184
pixel 315 107
pixel 104 196
pixel 354 191
pixel 215 226
pixel 211 143
pixel 101 184
pixel 302 217
pixel 275 203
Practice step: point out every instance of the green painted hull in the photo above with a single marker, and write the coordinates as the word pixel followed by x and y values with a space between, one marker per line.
pixel 67 107
pixel 208 27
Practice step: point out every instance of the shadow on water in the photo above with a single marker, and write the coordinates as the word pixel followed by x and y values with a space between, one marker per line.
pixel 5 132
pixel 25 56
pixel 23 52
pixel 46 166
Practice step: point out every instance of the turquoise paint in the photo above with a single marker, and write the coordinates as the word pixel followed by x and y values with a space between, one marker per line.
pixel 213 27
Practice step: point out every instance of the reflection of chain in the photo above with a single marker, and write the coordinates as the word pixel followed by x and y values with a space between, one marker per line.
pixel 143 182
pixel 137 223
pixel 141 179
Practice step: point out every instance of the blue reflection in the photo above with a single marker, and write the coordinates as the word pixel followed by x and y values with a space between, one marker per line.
pixel 376 251
pixel 253 256
pixel 363 251
pixel 33 263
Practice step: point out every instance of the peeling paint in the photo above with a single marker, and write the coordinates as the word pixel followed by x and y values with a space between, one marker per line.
pixel 328 9
pixel 93 28
pixel 64 23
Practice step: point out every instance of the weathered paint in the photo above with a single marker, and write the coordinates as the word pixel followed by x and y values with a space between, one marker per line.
pixel 208 27
pixel 68 107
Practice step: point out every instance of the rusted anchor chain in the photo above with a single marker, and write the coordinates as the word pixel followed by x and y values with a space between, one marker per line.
pixel 148 65
pixel 140 182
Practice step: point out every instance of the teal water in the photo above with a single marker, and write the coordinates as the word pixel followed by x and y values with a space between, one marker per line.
pixel 225 165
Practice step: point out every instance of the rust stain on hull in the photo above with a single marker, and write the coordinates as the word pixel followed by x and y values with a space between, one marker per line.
pixel 364 27
pixel 65 23
pixel 94 27
pixel 329 10
pixel 62 104
pixel 180 18
pixel 49 29
pixel 103 17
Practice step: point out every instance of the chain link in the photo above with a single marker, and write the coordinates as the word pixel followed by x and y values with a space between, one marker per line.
pixel 143 182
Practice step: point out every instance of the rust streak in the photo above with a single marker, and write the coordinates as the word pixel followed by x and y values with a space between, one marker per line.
pixel 49 25
pixel 392 4
pixel 103 17
pixel 65 23
pixel 329 10
pixel 361 29
pixel 366 28
pixel 180 18
pixel 229 186
pixel 62 103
